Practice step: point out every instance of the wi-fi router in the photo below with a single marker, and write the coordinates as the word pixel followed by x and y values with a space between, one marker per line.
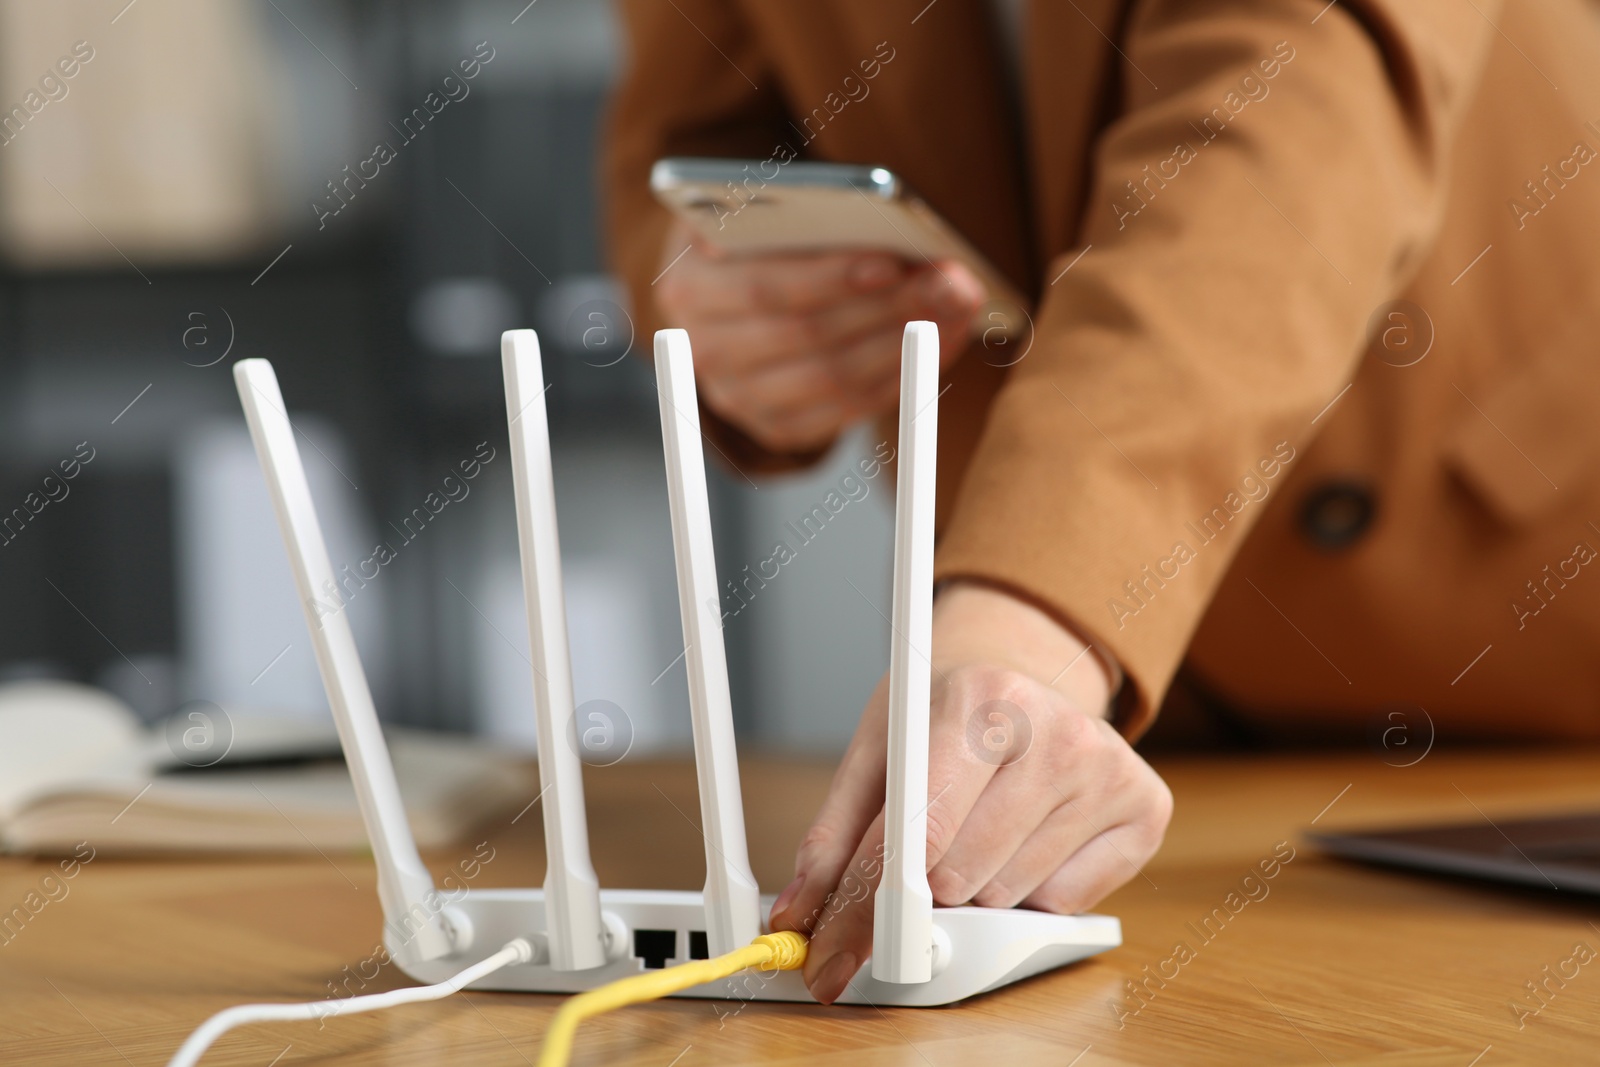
pixel 585 936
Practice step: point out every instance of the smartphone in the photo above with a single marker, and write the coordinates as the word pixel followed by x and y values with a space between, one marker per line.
pixel 764 206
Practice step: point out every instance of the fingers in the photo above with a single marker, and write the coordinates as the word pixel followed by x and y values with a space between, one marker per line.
pixel 867 366
pixel 786 406
pixel 959 296
pixel 1110 823
pixel 793 347
pixel 1066 833
pixel 709 285
pixel 880 394
pixel 841 936
pixel 1013 777
pixel 743 341
pixel 1014 808
pixel 855 799
pixel 956 781
pixel 1090 874
pixel 924 293
pixel 1006 850
pixel 1035 780
pixel 805 430
pixel 851 343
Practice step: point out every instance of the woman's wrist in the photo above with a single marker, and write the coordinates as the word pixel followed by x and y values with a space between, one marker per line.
pixel 973 621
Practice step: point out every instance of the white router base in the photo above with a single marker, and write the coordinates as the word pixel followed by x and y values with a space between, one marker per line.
pixel 987 947
pixel 938 956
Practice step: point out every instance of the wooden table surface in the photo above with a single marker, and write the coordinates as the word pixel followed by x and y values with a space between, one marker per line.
pixel 1337 964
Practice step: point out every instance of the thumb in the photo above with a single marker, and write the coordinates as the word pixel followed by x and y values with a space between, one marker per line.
pixel 854 799
pixel 841 931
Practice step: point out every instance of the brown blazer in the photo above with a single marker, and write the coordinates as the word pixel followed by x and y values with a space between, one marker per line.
pixel 1318 408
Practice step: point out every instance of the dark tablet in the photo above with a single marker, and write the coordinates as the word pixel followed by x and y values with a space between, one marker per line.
pixel 1556 852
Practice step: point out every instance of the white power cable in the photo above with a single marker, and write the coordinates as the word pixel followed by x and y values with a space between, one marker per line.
pixel 517 950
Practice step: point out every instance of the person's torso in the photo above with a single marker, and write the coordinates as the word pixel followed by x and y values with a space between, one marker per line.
pixel 1432 546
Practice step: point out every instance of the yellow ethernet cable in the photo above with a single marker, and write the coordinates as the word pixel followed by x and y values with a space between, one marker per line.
pixel 783 951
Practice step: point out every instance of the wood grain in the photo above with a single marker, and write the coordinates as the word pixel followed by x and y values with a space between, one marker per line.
pixel 1335 964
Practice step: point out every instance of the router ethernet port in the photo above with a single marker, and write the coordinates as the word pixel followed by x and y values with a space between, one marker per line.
pixel 698 948
pixel 655 947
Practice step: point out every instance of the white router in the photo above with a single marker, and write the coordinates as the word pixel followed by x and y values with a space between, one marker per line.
pixel 585 936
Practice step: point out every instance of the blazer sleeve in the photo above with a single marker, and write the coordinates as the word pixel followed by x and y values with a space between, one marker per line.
pixel 696 84
pixel 1221 304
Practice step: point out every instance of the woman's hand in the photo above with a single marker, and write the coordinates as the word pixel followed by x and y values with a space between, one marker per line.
pixel 791 348
pixel 1035 800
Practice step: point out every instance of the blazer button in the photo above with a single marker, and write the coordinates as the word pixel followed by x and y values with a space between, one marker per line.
pixel 1335 515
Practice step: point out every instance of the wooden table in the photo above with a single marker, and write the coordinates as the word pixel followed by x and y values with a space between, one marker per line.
pixel 1336 964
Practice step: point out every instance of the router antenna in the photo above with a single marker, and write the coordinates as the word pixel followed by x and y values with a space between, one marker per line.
pixel 902 929
pixel 415 926
pixel 916 962
pixel 732 901
pixel 571 889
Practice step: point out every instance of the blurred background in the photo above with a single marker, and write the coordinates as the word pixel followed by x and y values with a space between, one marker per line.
pixel 207 185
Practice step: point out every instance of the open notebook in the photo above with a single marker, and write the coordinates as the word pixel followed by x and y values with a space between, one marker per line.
pixel 77 765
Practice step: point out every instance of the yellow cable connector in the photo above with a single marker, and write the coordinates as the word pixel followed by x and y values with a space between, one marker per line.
pixel 782 951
